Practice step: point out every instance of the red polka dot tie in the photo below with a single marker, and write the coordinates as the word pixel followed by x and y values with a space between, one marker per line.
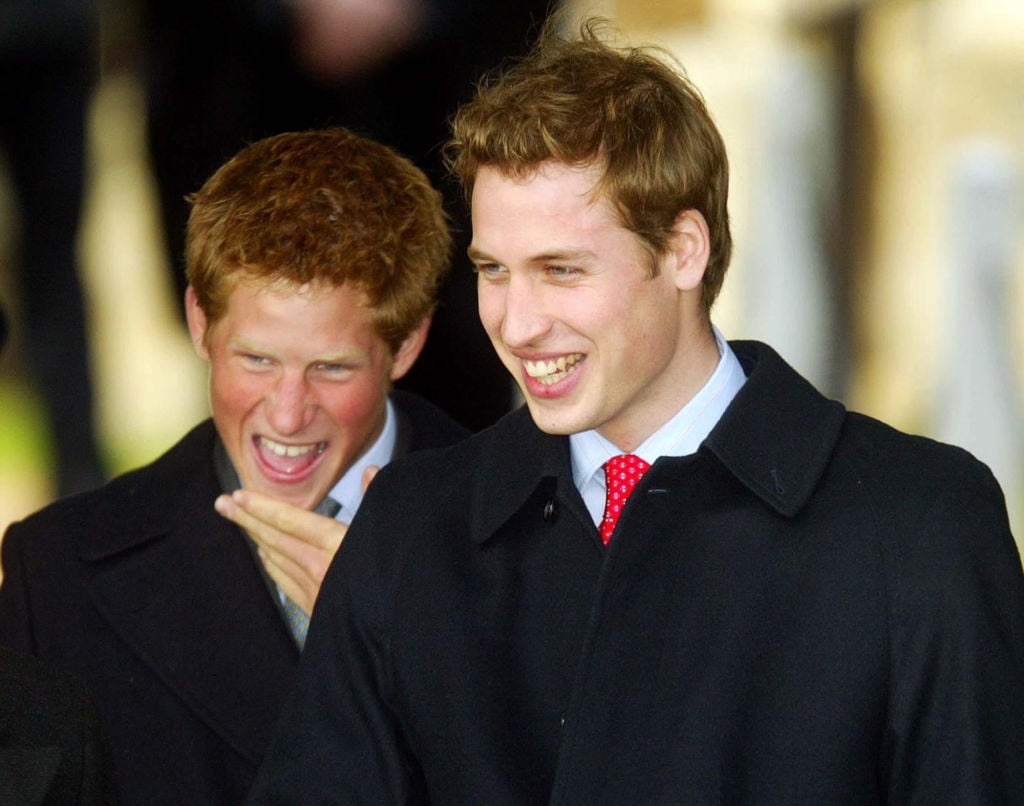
pixel 621 473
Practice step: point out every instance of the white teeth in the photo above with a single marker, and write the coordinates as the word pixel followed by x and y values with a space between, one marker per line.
pixel 549 372
pixel 290 450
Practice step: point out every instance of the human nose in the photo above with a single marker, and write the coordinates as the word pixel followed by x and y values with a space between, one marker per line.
pixel 525 319
pixel 289 406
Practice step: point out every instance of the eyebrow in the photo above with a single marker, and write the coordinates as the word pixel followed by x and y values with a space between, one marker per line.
pixel 570 254
pixel 245 346
pixel 476 254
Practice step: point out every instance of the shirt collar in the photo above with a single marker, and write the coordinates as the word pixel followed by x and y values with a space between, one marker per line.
pixel 680 436
pixel 348 491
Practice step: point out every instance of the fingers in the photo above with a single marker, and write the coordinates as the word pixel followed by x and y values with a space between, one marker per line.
pixel 296 546
pixel 291 579
pixel 267 519
pixel 368 474
pixel 230 509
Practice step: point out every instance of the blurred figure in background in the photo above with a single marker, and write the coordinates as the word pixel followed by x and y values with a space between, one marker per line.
pixel 52 748
pixel 219 75
pixel 48 69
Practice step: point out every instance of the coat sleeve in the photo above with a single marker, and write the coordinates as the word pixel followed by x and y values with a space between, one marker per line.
pixel 955 732
pixel 339 739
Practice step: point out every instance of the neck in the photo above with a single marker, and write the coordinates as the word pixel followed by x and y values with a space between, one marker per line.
pixel 694 363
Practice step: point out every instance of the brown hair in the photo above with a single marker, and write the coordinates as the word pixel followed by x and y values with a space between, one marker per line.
pixel 321 207
pixel 580 101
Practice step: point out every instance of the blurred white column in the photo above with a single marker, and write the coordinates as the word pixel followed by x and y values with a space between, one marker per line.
pixel 979 405
pixel 788 299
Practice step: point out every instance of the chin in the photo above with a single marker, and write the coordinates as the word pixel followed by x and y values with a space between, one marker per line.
pixel 300 497
pixel 551 423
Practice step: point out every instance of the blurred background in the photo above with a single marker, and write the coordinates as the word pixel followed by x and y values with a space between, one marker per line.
pixel 877 154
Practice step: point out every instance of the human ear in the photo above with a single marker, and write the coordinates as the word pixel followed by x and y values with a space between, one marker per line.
pixel 197 323
pixel 689 248
pixel 409 350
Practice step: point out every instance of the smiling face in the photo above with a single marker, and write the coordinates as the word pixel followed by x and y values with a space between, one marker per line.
pixel 567 298
pixel 298 383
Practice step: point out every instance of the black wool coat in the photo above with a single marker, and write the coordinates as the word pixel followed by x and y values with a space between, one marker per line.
pixel 158 605
pixel 813 608
pixel 52 749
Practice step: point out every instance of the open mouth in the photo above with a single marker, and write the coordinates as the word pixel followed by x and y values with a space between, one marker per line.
pixel 288 460
pixel 554 370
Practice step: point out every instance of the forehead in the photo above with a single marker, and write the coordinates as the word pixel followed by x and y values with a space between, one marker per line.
pixel 247 292
pixel 555 193
pixel 242 284
pixel 549 180
pixel 317 315
pixel 555 206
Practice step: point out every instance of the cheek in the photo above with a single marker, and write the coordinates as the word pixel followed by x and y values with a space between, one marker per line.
pixel 489 308
pixel 622 334
pixel 234 395
pixel 597 318
pixel 356 408
pixel 649 337
pixel 643 308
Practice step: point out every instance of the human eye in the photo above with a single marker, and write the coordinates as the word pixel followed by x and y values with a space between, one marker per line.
pixel 333 369
pixel 562 273
pixel 254 360
pixel 490 271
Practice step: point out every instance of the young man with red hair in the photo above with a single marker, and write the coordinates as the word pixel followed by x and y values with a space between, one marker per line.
pixel 313 261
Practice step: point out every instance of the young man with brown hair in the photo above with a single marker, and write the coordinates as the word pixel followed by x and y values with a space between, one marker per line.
pixel 795 604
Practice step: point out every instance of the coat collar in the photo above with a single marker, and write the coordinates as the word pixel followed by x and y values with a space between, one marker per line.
pixel 776 438
pixel 145 504
pixel 512 460
pixel 779 433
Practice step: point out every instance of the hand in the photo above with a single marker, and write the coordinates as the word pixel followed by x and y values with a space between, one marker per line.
pixel 295 545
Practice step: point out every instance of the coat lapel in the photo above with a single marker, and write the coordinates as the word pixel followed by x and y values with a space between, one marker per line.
pixel 189 600
pixel 519 458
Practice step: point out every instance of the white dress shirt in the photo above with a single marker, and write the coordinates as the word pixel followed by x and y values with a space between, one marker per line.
pixel 349 489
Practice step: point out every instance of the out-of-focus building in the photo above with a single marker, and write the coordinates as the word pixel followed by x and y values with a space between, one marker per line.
pixel 877 198
pixel 877 156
